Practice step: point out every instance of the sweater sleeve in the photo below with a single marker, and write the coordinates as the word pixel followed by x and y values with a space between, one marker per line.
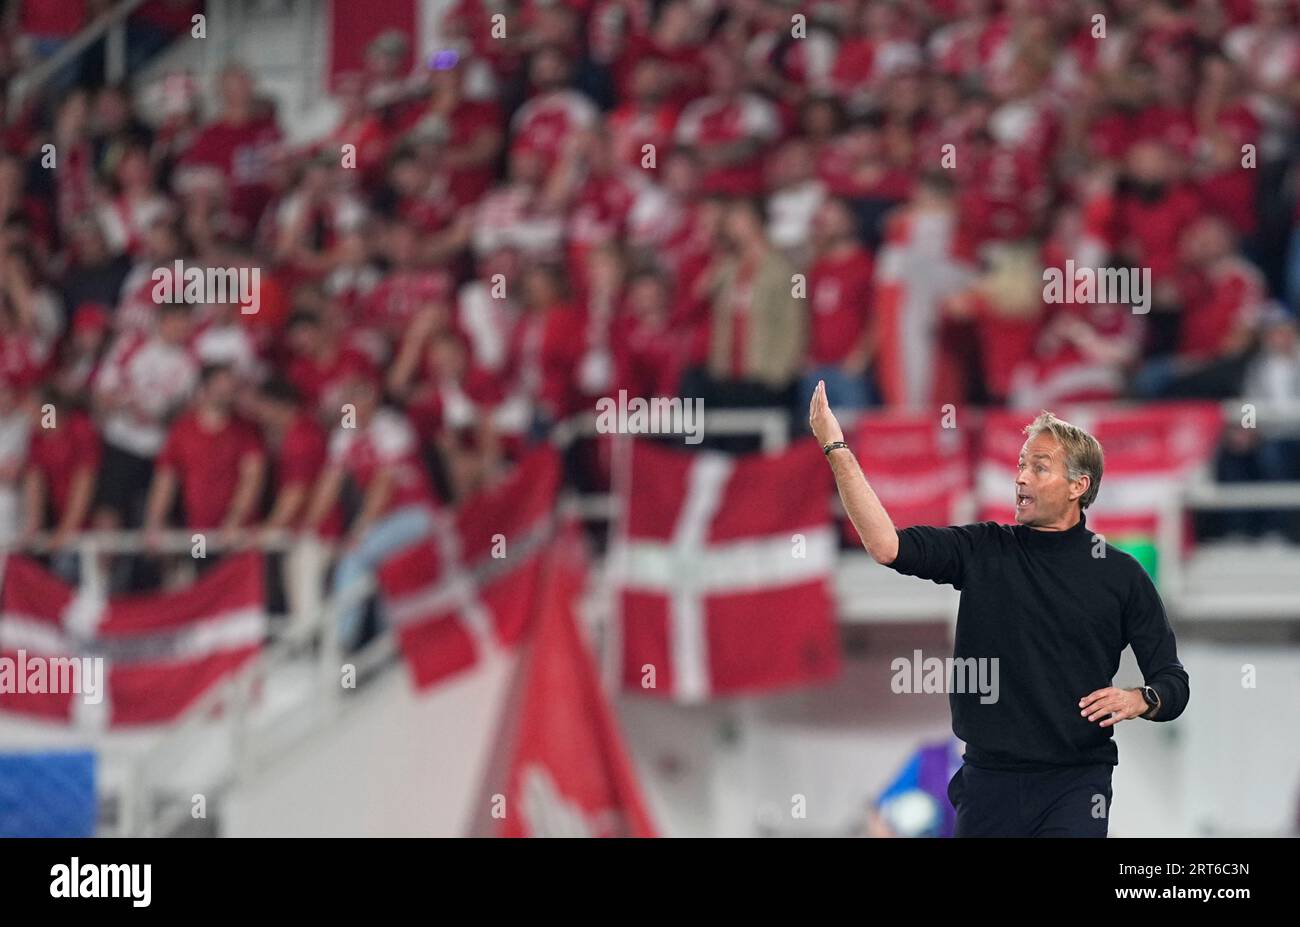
pixel 1147 630
pixel 941 555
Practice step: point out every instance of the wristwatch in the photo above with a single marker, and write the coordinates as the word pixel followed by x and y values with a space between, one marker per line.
pixel 827 448
pixel 1152 699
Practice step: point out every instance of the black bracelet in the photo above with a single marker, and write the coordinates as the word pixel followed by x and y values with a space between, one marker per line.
pixel 827 448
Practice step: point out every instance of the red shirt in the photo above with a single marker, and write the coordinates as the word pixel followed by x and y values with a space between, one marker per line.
pixel 207 465
pixel 301 460
pixel 468 120
pixel 715 121
pixel 631 128
pixel 546 348
pixel 388 443
pixel 839 290
pixel 241 153
pixel 403 293
pixel 314 379
pixel 1216 304
pixel 1150 231
pixel 58 453
pixel 649 357
pixel 48 19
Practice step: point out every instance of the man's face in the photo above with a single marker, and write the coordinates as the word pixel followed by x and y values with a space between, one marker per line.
pixel 1044 492
pixel 220 390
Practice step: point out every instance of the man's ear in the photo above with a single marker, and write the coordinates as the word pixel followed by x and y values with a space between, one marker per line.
pixel 1083 483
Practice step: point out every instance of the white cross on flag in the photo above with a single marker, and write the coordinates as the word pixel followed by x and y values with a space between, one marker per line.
pixel 724 566
pixel 160 651
pixel 472 586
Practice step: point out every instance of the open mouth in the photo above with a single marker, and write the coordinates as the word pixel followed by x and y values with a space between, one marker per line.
pixel 1023 500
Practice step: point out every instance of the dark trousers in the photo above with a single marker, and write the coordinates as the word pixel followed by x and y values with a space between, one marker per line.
pixel 1073 801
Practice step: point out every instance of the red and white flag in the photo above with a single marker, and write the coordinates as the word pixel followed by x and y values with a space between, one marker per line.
pixel 471 587
pixel 569 774
pixel 1149 451
pixel 918 268
pixel 920 469
pixel 724 568
pixel 160 651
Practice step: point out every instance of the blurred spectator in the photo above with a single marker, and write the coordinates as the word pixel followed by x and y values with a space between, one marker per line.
pixel 469 130
pixel 730 129
pixel 59 481
pixel 95 272
pixel 841 335
pixel 546 348
pixel 319 362
pixel 297 447
pixel 1222 298
pixel 795 194
pixel 1273 377
pixel 81 352
pixel 758 329
pixel 143 380
pixel 214 459
pixel 379 453
pixel 237 148
pixel 554 112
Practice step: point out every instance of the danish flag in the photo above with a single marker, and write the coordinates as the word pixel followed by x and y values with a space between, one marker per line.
pixel 470 588
pixel 723 568
pixel 161 651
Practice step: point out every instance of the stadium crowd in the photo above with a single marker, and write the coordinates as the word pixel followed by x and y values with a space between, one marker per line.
pixel 623 194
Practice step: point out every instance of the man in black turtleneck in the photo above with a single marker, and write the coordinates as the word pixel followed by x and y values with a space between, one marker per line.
pixel 1051 606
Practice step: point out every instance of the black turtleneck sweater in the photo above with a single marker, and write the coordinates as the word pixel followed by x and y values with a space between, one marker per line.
pixel 1056 614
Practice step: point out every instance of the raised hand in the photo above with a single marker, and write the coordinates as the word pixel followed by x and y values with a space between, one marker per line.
pixel 821 419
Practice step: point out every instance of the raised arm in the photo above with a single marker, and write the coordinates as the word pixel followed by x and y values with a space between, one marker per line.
pixel 860 501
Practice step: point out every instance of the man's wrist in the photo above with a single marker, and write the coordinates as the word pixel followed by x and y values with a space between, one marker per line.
pixel 830 446
pixel 1151 710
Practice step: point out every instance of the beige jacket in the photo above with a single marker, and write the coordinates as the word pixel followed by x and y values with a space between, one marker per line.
pixel 776 330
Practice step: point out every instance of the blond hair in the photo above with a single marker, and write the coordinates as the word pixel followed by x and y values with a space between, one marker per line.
pixel 1083 455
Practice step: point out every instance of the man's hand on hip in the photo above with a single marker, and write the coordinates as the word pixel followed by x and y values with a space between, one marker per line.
pixel 1119 704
